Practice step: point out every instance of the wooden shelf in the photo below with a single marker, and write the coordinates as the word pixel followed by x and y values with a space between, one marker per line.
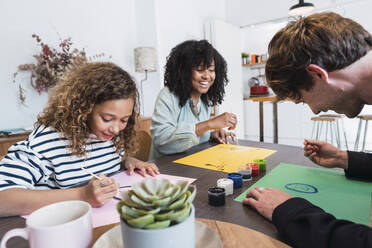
pixel 264 98
pixel 254 66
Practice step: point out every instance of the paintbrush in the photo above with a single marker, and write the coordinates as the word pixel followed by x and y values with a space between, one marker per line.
pixel 125 186
pixel 233 131
pixel 94 175
pixel 235 137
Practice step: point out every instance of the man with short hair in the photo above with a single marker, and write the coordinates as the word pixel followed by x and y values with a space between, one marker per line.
pixel 325 61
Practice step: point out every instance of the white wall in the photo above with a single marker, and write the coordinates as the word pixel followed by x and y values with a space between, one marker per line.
pixel 243 12
pixel 226 39
pixel 146 21
pixel 294 120
pixel 179 20
pixel 112 26
pixel 98 26
pixel 165 23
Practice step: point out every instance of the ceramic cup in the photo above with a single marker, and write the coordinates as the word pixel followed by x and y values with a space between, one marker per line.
pixel 58 225
pixel 181 235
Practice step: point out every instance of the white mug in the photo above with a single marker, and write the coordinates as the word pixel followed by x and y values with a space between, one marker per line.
pixel 61 224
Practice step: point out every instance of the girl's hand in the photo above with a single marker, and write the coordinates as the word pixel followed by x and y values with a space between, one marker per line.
pixel 99 192
pixel 222 136
pixel 144 167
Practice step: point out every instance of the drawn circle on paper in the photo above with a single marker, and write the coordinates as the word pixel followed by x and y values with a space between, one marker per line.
pixel 302 188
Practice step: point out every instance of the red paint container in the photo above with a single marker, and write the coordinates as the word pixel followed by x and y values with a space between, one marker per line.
pixel 255 169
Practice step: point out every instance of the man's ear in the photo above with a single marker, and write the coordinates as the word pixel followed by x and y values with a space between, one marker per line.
pixel 315 71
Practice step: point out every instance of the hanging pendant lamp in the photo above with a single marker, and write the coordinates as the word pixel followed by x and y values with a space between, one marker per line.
pixel 301 8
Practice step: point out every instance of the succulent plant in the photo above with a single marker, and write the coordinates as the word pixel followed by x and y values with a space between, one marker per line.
pixel 156 203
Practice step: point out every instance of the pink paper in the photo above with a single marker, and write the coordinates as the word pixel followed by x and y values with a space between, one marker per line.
pixel 124 179
pixel 108 214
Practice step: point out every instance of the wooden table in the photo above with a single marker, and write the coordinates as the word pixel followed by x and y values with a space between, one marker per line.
pixel 232 212
pixel 6 142
pixel 231 235
pixel 274 101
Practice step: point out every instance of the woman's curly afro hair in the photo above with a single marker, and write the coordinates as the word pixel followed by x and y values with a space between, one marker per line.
pixel 187 56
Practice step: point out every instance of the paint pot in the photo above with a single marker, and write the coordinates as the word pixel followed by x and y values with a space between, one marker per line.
pixel 246 172
pixel 237 178
pixel 255 169
pixel 227 184
pixel 261 163
pixel 216 196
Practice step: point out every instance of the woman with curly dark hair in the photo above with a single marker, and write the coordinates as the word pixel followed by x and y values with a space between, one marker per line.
pixel 84 130
pixel 195 80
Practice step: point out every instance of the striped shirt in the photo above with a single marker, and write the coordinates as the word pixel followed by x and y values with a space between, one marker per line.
pixel 44 161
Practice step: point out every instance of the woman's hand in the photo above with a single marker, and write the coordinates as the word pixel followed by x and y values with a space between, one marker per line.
pixel 99 192
pixel 150 168
pixel 224 120
pixel 325 154
pixel 265 200
pixel 222 136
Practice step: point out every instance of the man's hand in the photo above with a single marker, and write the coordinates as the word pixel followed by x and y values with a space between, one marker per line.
pixel 265 200
pixel 325 154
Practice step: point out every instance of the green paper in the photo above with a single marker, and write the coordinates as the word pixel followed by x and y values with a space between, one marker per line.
pixel 337 195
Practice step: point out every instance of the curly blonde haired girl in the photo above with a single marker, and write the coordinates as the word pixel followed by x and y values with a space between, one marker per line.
pixel 85 129
pixel 74 98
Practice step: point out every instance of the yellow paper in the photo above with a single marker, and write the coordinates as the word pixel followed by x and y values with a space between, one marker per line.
pixel 225 157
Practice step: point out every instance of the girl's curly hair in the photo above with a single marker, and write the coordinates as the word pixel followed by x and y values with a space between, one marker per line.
pixel 75 96
pixel 185 57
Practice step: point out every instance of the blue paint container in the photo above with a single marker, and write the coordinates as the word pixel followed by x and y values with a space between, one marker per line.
pixel 237 178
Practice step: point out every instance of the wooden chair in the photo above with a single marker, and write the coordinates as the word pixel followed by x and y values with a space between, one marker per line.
pixel 144 124
pixel 143 137
pixel 144 140
pixel 362 118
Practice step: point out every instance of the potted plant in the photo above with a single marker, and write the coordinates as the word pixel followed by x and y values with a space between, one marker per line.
pixel 157 213
pixel 245 58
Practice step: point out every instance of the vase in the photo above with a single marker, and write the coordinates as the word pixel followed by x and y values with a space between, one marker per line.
pixel 181 235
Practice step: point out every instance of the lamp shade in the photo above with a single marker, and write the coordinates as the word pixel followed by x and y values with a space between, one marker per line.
pixel 301 8
pixel 145 59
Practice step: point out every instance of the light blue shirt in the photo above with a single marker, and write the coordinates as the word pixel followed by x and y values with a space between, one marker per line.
pixel 173 127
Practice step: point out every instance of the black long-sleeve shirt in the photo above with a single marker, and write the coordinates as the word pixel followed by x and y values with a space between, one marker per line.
pixel 306 225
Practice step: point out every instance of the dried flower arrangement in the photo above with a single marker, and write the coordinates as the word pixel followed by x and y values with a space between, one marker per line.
pixel 51 64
